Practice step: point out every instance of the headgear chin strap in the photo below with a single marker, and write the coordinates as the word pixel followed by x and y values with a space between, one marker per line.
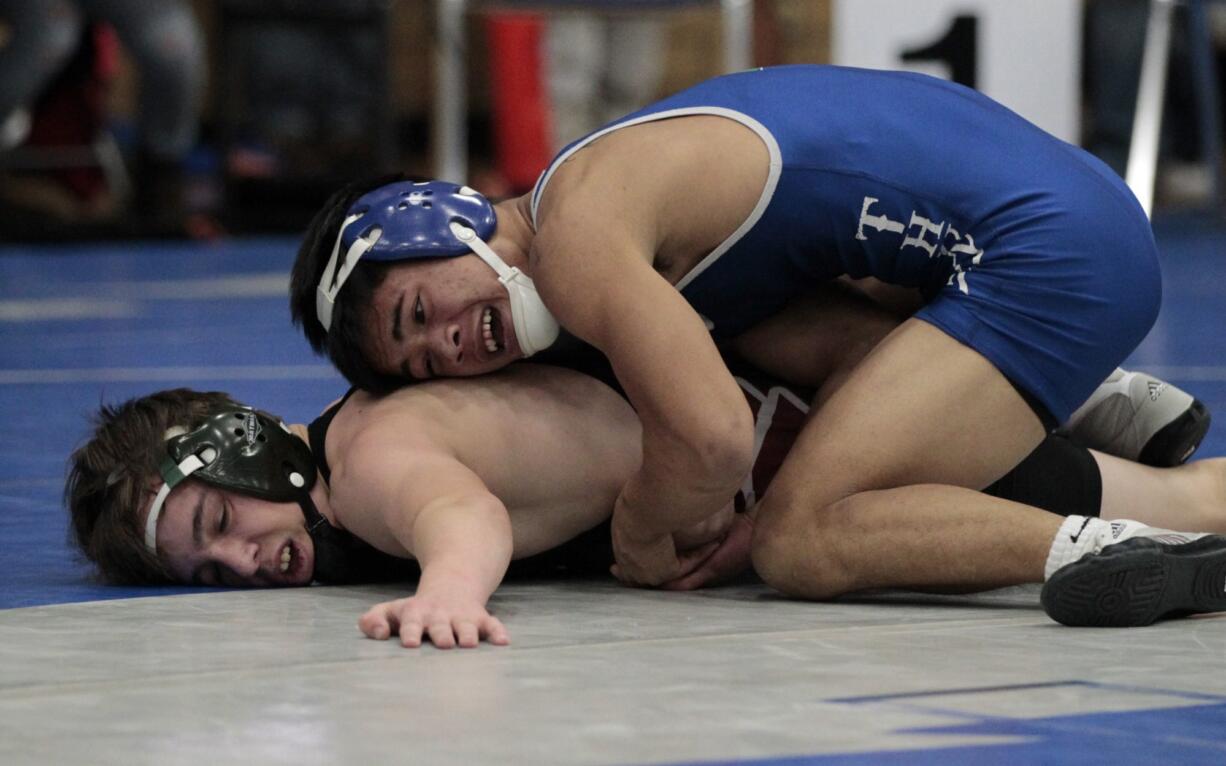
pixel 236 448
pixel 535 327
pixel 333 278
pixel 173 475
pixel 408 220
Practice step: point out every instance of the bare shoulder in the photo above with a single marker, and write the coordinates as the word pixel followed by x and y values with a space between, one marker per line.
pixel 669 190
pixel 391 459
pixel 652 156
pixel 452 416
pixel 552 445
pixel 376 443
pixel 368 425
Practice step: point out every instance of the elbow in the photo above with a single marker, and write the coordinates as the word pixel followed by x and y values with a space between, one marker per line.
pixel 726 447
pixel 498 523
pixel 710 449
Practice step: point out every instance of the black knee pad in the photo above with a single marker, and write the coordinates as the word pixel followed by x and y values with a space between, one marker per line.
pixel 1058 476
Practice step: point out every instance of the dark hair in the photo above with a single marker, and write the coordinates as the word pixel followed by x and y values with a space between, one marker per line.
pixel 113 475
pixel 345 343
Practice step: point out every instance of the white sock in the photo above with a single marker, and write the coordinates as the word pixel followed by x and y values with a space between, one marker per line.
pixel 1080 536
pixel 1077 536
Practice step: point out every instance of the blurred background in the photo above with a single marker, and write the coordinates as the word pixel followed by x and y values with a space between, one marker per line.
pixel 201 118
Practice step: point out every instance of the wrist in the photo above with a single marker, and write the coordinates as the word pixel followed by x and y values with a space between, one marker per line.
pixel 450 581
pixel 643 521
pixel 656 508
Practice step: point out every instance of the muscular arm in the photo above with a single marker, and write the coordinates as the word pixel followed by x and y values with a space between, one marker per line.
pixel 441 513
pixel 697 430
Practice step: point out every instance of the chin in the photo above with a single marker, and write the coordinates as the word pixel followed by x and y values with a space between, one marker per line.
pixel 503 363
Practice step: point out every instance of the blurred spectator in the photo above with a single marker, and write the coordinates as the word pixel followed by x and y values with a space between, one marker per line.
pixel 303 103
pixel 164 42
pixel 600 68
pixel 306 93
pixel 39 38
pixel 1115 42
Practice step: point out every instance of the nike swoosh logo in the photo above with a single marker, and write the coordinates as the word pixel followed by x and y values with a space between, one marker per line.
pixel 1077 536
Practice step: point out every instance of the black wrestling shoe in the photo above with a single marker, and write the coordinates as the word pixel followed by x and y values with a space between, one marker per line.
pixel 1139 581
pixel 1141 418
pixel 1175 442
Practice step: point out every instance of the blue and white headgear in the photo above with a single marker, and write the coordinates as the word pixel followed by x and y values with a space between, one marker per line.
pixel 407 220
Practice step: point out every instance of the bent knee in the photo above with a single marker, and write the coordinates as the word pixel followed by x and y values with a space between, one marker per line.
pixel 794 552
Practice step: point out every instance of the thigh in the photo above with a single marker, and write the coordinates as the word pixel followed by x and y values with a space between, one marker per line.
pixel 921 408
pixel 816 336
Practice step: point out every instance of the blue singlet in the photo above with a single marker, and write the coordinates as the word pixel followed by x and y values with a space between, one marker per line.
pixel 1030 250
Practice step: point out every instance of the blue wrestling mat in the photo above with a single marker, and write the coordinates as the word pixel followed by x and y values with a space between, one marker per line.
pixel 85 324
pixel 81 325
pixel 1189 732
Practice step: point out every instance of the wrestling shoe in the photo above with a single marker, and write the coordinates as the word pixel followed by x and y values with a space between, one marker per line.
pixel 1147 575
pixel 1140 418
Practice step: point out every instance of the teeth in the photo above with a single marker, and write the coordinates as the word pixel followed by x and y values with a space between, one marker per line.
pixel 285 558
pixel 487 331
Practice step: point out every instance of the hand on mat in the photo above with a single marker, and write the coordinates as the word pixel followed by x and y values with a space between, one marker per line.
pixel 730 559
pixel 446 621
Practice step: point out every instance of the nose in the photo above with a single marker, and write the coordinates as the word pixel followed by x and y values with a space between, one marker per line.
pixel 452 344
pixel 240 556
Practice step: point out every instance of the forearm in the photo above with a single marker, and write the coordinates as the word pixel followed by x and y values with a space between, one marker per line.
pixel 443 515
pixel 463 548
pixel 683 486
pixel 697 425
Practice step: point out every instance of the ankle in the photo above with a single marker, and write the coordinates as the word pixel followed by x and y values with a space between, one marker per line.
pixel 1214 475
pixel 1199 489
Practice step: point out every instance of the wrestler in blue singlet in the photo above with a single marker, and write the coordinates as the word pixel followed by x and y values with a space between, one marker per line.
pixel 1031 251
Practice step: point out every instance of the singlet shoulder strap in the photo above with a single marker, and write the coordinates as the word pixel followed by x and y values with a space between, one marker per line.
pixel 317 432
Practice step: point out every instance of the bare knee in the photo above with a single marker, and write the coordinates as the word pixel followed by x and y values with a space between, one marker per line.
pixel 795 551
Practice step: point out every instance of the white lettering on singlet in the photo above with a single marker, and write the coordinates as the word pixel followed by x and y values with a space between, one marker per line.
pixel 923 228
pixel 963 266
pixel 936 238
pixel 878 222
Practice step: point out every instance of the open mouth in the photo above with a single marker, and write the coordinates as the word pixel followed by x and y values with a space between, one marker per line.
pixel 492 330
pixel 291 561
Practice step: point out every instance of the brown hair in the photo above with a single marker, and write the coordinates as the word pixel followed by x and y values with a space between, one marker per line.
pixel 112 476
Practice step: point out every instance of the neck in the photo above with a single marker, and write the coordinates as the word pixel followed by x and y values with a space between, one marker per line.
pixel 514 236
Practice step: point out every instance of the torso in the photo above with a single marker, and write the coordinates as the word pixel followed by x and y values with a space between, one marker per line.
pixel 553 445
pixel 751 188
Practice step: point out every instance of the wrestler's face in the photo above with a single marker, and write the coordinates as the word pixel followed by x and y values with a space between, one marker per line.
pixel 441 317
pixel 210 536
